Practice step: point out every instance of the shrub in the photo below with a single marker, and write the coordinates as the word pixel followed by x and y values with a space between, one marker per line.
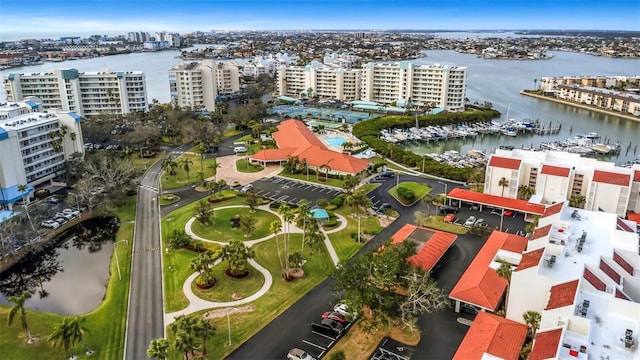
pixel 330 207
pixel 275 205
pixel 406 193
pixel 331 223
pixel 338 201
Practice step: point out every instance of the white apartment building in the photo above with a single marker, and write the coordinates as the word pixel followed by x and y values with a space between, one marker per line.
pixel 626 103
pixel 84 93
pixel 156 45
pixel 33 150
pixel 433 86
pixel 197 84
pixel 557 176
pixel 13 109
pixel 581 273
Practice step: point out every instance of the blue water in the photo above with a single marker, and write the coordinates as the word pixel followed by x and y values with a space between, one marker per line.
pixel 336 141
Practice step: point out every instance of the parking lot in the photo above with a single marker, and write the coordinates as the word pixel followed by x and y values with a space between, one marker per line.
pixel 280 189
pixel 318 342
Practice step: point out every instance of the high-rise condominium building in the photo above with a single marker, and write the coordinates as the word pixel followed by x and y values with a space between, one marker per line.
pixel 34 147
pixel 84 93
pixel 424 86
pixel 197 84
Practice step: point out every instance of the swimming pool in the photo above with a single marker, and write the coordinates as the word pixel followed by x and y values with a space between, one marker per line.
pixel 335 141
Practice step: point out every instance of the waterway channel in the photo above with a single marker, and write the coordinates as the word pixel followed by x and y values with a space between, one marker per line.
pixel 69 277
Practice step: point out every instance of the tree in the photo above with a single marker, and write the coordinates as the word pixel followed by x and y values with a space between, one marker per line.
pixel 532 319
pixel 504 271
pixel 204 329
pixel 19 302
pixel 169 164
pixel 349 183
pixel 288 216
pixel 503 182
pixel 476 177
pixel 577 201
pixel 184 343
pixel 201 149
pixel 252 199
pixel 423 296
pixel 204 265
pixel 247 224
pixel 427 199
pixel 203 212
pixel 73 136
pixel 185 163
pixel 525 192
pixel 358 200
pixel 314 236
pixel 275 227
pixel 326 168
pixel 63 336
pixel 236 253
pixel 535 84
pixel 303 211
pixel 214 166
pixel 78 330
pixel 158 348
pixel 295 259
pixel 23 188
pixel 179 239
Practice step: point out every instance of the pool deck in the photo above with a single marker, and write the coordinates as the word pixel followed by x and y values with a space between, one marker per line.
pixel 336 134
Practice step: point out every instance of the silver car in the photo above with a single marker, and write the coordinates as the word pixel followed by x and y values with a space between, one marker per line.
pixel 299 354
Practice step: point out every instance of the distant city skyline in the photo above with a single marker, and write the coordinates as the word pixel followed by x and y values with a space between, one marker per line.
pixel 52 19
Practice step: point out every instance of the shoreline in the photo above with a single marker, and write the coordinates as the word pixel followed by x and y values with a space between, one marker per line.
pixel 581 106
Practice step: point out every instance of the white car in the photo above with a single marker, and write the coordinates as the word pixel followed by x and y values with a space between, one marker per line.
pixel 246 188
pixel 71 211
pixel 480 222
pixel 299 354
pixel 470 221
pixel 64 215
pixel 343 310
pixel 50 224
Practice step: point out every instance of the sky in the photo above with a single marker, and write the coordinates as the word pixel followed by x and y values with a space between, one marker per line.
pixel 54 18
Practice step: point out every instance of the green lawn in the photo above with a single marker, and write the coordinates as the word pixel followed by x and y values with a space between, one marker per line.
pixel 279 298
pixel 437 222
pixel 106 323
pixel 343 244
pixel 370 187
pixel 167 199
pixel 390 166
pixel 180 178
pixel 419 190
pixel 227 286
pixel 142 164
pixel 312 178
pixel 243 166
pixel 221 229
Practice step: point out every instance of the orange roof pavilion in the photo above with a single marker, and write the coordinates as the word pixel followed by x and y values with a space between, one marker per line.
pixel 295 139
pixel 432 244
pixel 494 335
pixel 494 200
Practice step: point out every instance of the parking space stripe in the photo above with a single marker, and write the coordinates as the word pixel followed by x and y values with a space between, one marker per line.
pixel 326 337
pixel 314 345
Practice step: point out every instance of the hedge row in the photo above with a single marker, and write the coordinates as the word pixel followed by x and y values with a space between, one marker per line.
pixel 369 132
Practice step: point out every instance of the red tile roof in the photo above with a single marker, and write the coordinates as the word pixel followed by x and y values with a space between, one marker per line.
pixel 553 209
pixel 493 335
pixel 634 217
pixel 480 285
pixel 505 163
pixel 530 259
pixel 295 139
pixel 612 178
pixel 555 170
pixel 541 232
pixel 546 345
pixel 426 257
pixel 498 201
pixel 562 295
pixel 636 176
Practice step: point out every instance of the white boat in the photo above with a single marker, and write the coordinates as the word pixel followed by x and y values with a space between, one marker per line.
pixel 601 148
pixel 508 132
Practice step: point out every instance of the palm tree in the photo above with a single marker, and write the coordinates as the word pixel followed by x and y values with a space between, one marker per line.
pixel 184 163
pixel 504 271
pixel 73 137
pixel 535 84
pixel 275 228
pixel 288 216
pixel 427 199
pixel 23 188
pixel 19 302
pixel 326 168
pixel 200 175
pixel 236 253
pixel 169 164
pixel 525 192
pixel 204 329
pixel 357 200
pixel 184 343
pixel 503 182
pixel 303 210
pixel 204 265
pixel 576 201
pixel 532 319
pixel 158 349
pixel 475 178
pixel 314 236
pixel 78 330
pixel 214 165
pixel 200 149
pixel 63 336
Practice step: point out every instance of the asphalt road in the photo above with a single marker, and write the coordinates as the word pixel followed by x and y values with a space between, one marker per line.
pixel 145 318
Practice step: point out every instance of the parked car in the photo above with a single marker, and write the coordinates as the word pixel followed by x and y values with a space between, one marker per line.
pixel 334 315
pixel 60 220
pixel 64 215
pixel 509 213
pixel 480 222
pixel 449 218
pixel 469 309
pixel 235 184
pixel 448 210
pixel 299 354
pixel 239 149
pixel 343 310
pixel 73 212
pixel 383 208
pixel 332 326
pixel 470 221
pixel 246 188
pixel 50 224
pixel 52 200
pixel 387 174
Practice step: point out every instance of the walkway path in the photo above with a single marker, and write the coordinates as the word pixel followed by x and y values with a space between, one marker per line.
pixel 198 304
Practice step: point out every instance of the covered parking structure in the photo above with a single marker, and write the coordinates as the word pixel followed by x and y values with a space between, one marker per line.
pixel 432 244
pixel 485 200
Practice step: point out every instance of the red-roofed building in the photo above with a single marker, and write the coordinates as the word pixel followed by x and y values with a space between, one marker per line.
pixel 295 139
pixel 541 232
pixel 432 244
pixel 546 344
pixel 608 177
pixel 496 201
pixel 500 167
pixel 555 170
pixel 608 189
pixel 480 284
pixel 553 209
pixel 530 259
pixel 505 163
pixel 562 295
pixel 493 335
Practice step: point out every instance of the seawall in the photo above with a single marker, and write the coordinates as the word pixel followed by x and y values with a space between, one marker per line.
pixel 581 106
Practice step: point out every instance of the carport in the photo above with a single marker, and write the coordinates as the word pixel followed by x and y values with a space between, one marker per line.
pixel 523 206
pixel 432 244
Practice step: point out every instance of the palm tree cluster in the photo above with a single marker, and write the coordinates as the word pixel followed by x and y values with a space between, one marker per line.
pixel 186 330
pixel 237 254
pixel 357 201
pixel 204 265
pixel 68 333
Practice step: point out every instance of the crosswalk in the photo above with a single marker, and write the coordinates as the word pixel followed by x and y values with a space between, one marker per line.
pixel 146 250
pixel 147 187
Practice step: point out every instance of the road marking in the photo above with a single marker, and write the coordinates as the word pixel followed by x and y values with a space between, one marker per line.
pixel 292 200
pixel 314 345
pixel 147 187
pixel 146 250
pixel 325 336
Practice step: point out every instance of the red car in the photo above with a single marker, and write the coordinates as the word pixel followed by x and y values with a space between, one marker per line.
pixel 335 316
pixel 508 213
pixel 449 218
